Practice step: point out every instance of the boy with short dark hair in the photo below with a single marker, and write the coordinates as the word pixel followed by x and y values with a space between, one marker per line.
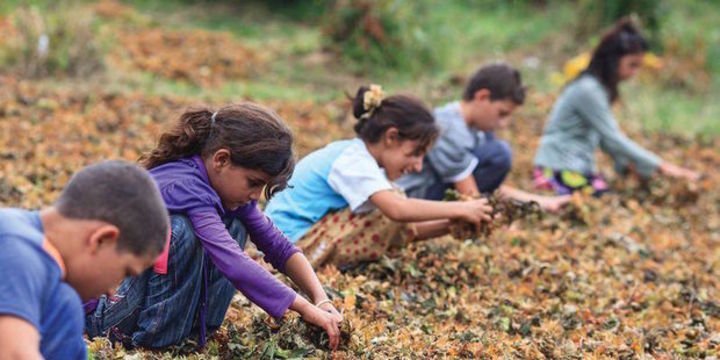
pixel 109 222
pixel 467 156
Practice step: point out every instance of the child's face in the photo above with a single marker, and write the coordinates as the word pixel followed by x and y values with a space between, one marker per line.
pixel 402 157
pixel 629 65
pixel 491 115
pixel 235 185
pixel 100 267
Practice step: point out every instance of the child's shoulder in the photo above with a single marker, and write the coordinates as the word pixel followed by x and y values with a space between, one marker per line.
pixel 188 171
pixel 352 148
pixel 448 112
pixel 341 145
pixel 180 166
pixel 332 151
pixel 21 240
pixel 184 185
pixel 355 154
pixel 20 223
pixel 449 119
pixel 338 154
pixel 586 85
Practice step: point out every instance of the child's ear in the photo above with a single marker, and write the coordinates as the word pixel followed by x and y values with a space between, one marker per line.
pixel 221 158
pixel 392 136
pixel 482 95
pixel 103 236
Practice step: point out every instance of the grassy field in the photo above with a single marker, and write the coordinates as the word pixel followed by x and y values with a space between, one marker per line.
pixel 288 37
pixel 538 40
pixel 632 275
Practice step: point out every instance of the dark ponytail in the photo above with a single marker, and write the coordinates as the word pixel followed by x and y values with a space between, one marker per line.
pixel 185 139
pixel 623 39
pixel 406 113
pixel 255 136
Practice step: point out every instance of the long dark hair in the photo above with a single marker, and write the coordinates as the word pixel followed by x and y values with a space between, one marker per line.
pixel 405 113
pixel 623 39
pixel 255 136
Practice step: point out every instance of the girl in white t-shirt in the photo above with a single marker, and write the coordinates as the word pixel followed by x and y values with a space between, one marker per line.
pixel 341 206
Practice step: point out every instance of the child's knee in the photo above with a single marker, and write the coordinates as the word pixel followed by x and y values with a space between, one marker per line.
pixel 502 155
pixel 238 231
pixel 180 224
pixel 183 239
pixel 506 150
pixel 494 153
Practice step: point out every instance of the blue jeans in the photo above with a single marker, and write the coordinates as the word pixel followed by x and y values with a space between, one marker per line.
pixel 494 163
pixel 158 310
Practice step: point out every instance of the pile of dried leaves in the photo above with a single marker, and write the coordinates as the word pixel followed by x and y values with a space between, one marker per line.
pixel 47 134
pixel 633 274
pixel 630 275
pixel 202 58
pixel 504 212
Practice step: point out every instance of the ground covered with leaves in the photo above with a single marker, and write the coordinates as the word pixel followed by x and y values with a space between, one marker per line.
pixel 628 275
pixel 631 275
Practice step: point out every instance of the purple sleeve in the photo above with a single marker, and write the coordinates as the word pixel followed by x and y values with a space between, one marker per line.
pixel 254 281
pixel 267 237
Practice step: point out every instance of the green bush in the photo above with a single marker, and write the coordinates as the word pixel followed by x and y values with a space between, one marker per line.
pixel 59 40
pixel 380 34
pixel 596 15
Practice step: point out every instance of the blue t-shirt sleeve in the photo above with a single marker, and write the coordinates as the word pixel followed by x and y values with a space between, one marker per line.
pixel 356 176
pixel 23 281
pixel 62 338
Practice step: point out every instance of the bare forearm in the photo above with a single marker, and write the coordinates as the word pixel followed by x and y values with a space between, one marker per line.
pixel 18 339
pixel 431 229
pixel 301 305
pixel 302 274
pixel 401 209
pixel 517 194
pixel 417 210
pixel 467 186
pixel 547 203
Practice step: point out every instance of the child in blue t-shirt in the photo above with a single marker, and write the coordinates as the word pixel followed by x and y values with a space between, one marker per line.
pixel 341 206
pixel 109 223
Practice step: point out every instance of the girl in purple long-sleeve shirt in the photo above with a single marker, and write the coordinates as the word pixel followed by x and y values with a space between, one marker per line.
pixel 211 169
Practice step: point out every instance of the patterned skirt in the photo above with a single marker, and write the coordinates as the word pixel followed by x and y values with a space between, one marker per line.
pixel 564 182
pixel 343 238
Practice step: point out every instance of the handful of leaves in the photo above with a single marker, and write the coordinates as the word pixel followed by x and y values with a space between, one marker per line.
pixel 504 212
pixel 295 338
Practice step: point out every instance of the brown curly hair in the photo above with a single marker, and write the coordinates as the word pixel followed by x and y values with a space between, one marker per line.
pixel 256 137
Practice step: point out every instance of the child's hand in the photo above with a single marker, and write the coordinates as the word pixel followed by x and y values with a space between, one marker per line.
pixel 320 318
pixel 553 204
pixel 326 321
pixel 330 308
pixel 679 172
pixel 474 211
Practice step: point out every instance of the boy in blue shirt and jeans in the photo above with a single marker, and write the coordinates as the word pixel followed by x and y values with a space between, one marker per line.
pixel 466 155
pixel 109 222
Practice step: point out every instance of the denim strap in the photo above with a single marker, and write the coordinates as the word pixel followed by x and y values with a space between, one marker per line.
pixel 203 301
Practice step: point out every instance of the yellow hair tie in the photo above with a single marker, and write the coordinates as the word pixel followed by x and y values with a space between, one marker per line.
pixel 372 99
